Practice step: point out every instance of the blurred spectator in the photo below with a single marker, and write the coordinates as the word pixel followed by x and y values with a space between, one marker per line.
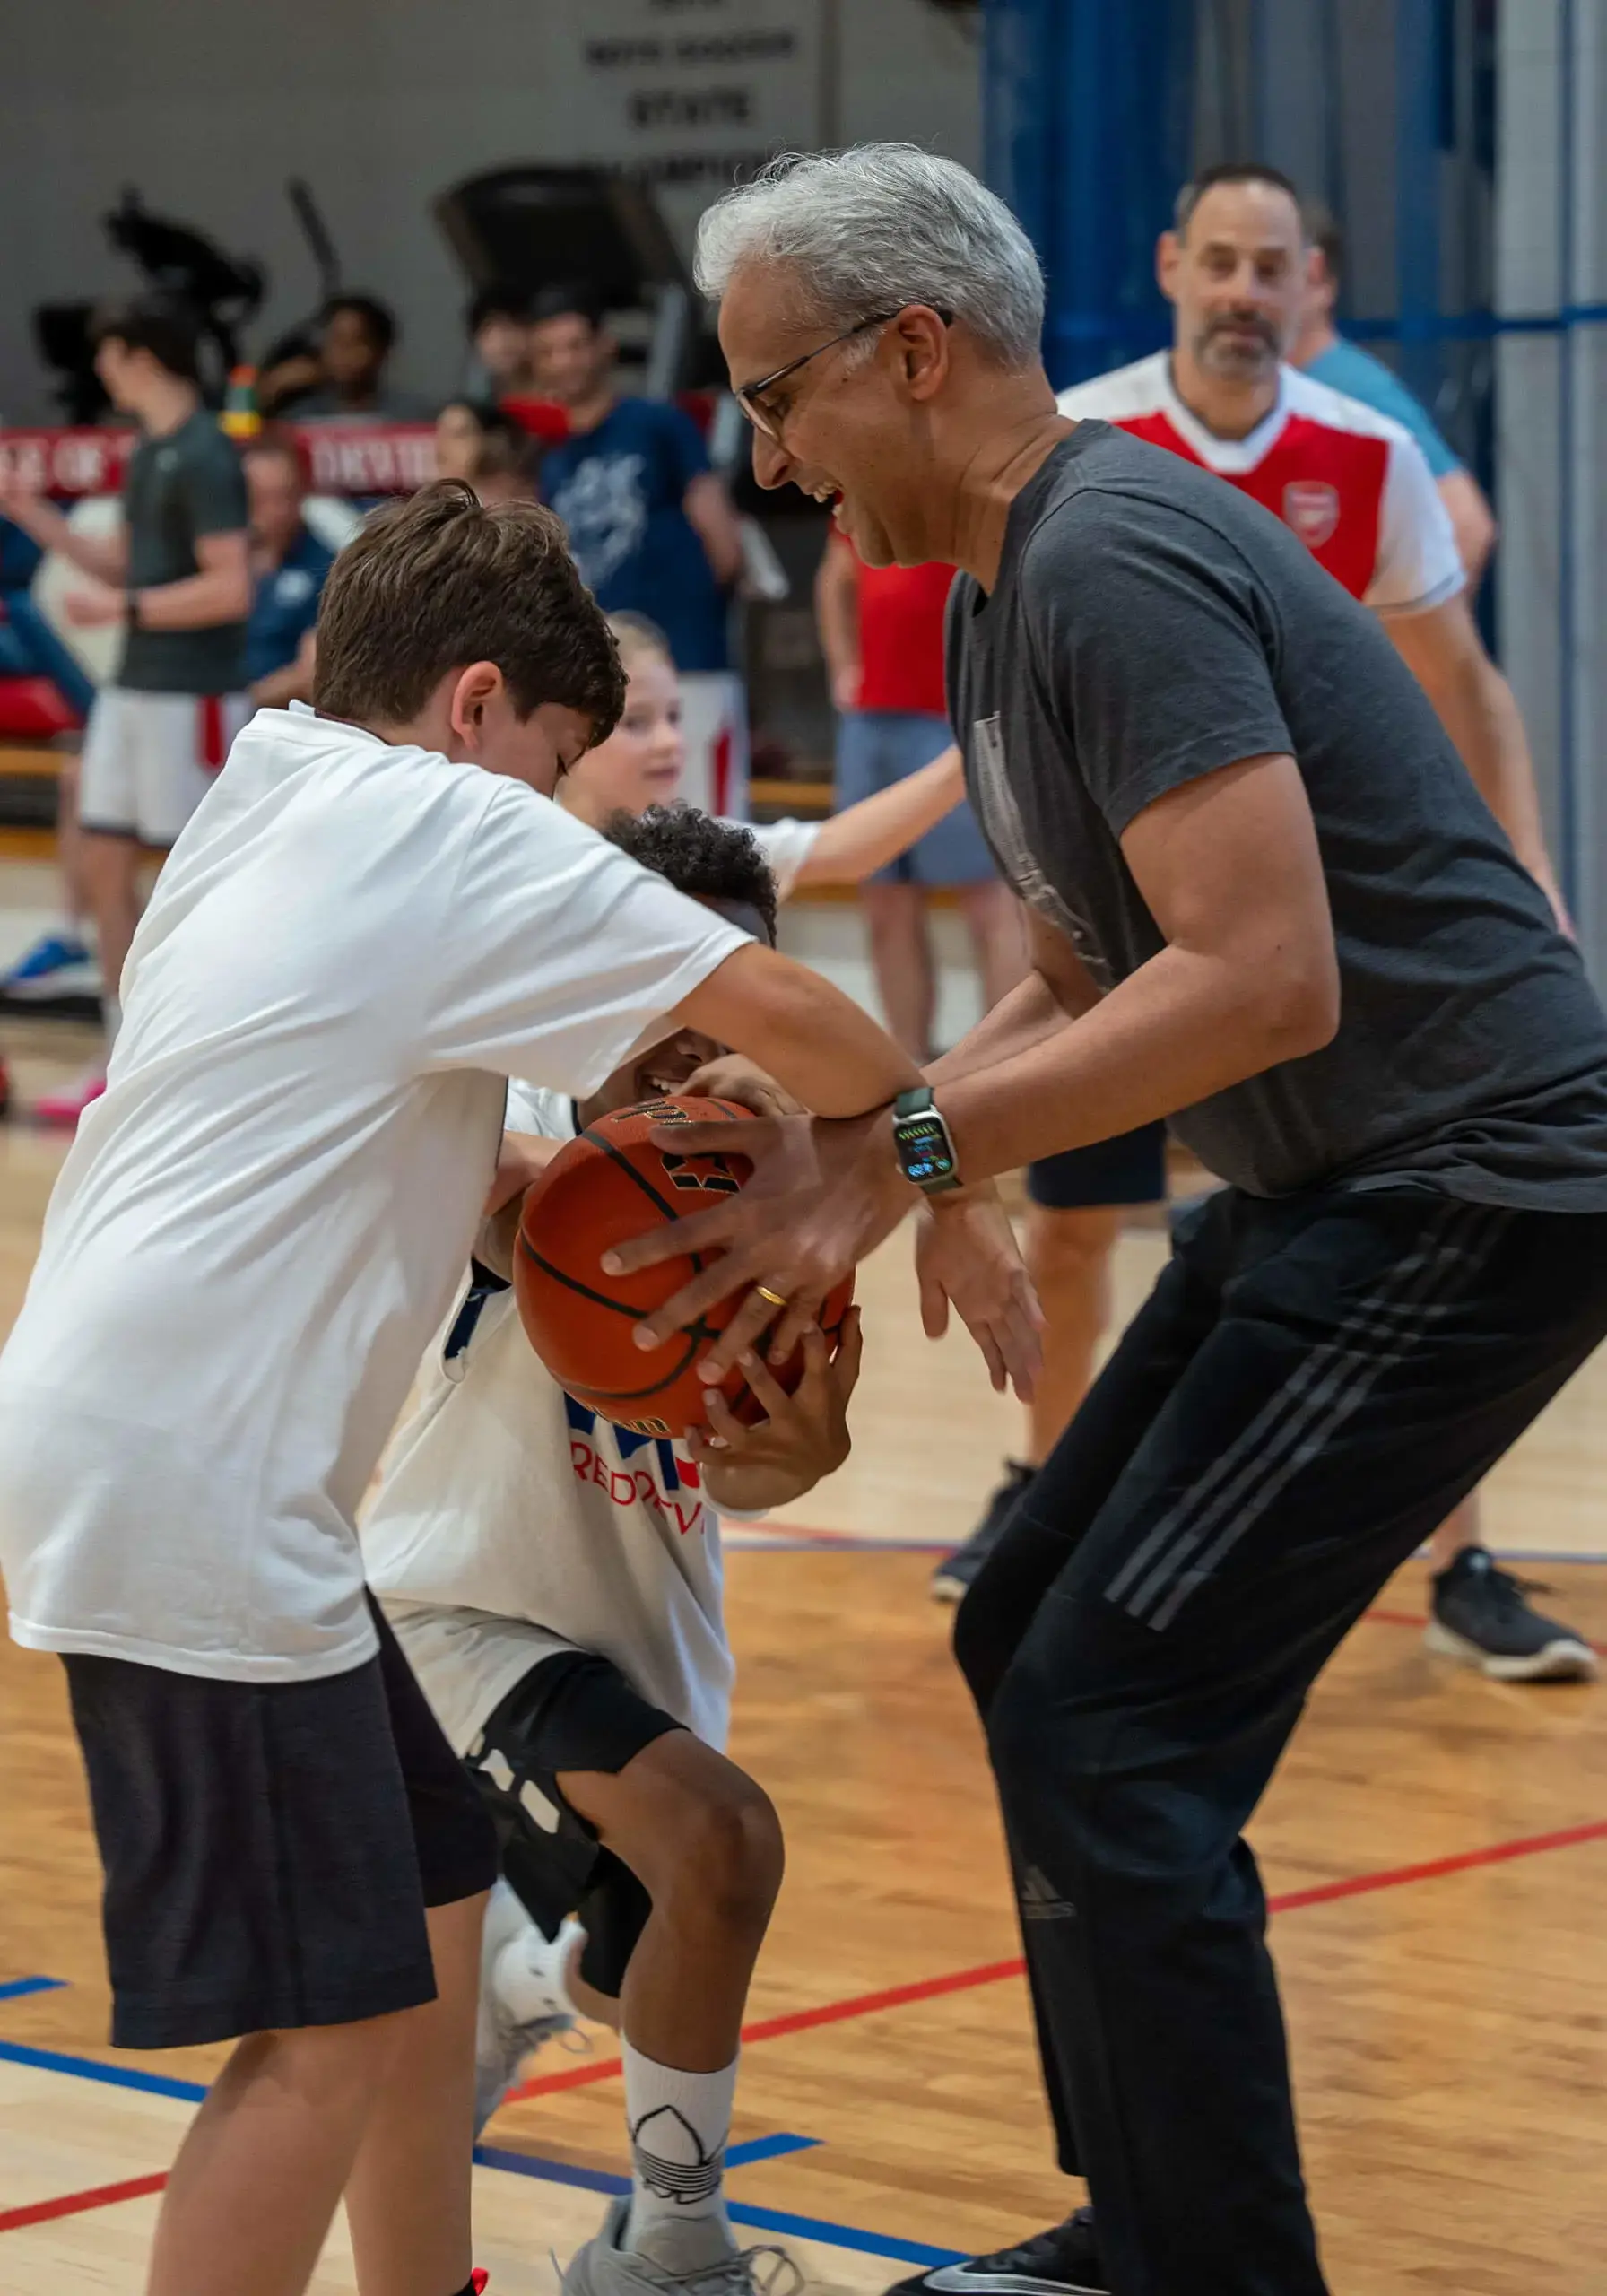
pixel 175 579
pixel 29 647
pixel 356 335
pixel 1327 358
pixel 651 527
pixel 288 567
pixel 476 440
pixel 60 963
pixel 498 325
pixel 881 632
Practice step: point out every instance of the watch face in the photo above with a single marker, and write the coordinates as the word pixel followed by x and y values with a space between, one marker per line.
pixel 924 1149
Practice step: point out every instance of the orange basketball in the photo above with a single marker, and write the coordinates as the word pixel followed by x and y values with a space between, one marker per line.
pixel 610 1184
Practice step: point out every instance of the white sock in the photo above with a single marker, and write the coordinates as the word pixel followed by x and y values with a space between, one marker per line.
pixel 679 2123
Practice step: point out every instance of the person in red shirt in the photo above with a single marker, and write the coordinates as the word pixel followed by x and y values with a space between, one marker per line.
pixel 1354 485
pixel 882 629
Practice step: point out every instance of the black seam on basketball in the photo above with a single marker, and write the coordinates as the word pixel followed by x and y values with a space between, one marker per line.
pixel 696 1335
pixel 641 1179
pixel 619 1394
pixel 573 1284
pixel 636 1395
pixel 639 1395
pixel 670 1212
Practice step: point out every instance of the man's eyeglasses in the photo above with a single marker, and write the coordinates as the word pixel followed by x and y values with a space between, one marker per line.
pixel 751 395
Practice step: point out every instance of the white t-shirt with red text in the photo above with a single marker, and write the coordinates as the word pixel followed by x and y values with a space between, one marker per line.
pixel 349 949
pixel 1351 482
pixel 512 1524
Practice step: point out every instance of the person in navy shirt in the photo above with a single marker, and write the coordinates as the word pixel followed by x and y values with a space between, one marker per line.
pixel 288 567
pixel 651 526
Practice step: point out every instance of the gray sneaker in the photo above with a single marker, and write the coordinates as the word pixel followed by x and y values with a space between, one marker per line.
pixel 505 2036
pixel 603 2267
pixel 1480 1614
pixel 952 1578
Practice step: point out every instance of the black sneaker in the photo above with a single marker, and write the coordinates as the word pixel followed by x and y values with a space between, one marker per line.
pixel 1064 2261
pixel 1480 1616
pixel 952 1577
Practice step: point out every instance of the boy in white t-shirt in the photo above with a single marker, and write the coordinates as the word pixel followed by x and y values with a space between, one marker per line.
pixel 555 1583
pixel 375 918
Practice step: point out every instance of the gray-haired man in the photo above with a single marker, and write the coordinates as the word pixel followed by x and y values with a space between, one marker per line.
pixel 1269 904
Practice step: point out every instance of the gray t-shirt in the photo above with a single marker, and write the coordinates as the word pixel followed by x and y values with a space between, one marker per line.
pixel 178 487
pixel 1150 625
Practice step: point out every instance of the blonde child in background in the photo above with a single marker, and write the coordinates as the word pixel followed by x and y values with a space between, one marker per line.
pixel 640 764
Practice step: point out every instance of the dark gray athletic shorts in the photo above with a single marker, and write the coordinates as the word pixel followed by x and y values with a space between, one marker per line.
pixel 270 1848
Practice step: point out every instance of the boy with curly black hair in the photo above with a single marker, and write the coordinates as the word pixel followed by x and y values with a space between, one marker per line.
pixel 556 1584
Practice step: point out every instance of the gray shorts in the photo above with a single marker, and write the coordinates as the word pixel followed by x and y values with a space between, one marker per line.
pixel 149 759
pixel 876 748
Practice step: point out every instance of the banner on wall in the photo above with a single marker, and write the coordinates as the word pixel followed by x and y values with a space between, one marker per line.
pixel 691 94
pixel 356 459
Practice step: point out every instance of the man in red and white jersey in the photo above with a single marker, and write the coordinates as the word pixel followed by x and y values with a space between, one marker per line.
pixel 1351 482
pixel 1354 485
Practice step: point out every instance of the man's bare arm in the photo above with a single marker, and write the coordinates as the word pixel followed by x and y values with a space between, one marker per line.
pixel 1230 868
pixel 1472 522
pixel 1058 988
pixel 828 1052
pixel 104 557
pixel 523 1157
pixel 1445 653
pixel 837 618
pixel 219 591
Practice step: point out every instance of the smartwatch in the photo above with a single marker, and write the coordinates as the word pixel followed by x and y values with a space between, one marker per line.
pixel 923 1144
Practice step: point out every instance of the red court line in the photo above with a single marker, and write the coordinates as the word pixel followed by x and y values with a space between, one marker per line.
pixel 1497 1853
pixel 897 1997
pixel 73 2204
pixel 796 2021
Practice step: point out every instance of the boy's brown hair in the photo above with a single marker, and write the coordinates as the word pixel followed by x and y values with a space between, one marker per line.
pixel 441 580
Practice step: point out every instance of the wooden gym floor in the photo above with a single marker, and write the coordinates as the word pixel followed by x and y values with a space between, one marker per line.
pixel 1435 1846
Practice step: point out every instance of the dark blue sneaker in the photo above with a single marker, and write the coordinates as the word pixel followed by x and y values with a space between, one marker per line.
pixel 952 1578
pixel 1064 2261
pixel 1479 1615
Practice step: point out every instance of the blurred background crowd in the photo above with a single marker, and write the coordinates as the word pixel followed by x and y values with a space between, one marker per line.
pixel 385 245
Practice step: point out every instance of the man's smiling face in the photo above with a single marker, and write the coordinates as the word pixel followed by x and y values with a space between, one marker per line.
pixel 848 430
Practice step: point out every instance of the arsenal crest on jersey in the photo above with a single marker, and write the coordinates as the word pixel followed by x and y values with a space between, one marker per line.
pixel 1311 507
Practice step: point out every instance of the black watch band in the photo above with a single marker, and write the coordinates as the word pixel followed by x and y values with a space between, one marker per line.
pixel 922 1143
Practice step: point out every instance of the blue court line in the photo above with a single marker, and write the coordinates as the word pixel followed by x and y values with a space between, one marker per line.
pixel 763 2220
pixel 767 2148
pixel 527 2164
pixel 551 2173
pixel 89 2068
pixel 19 1985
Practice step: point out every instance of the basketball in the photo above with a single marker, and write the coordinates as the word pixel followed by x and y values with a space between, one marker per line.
pixel 605 1187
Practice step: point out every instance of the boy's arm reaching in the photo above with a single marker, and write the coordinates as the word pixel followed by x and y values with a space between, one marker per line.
pixel 812 1040
pixel 522 1158
pixel 854 844
pixel 803 1438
